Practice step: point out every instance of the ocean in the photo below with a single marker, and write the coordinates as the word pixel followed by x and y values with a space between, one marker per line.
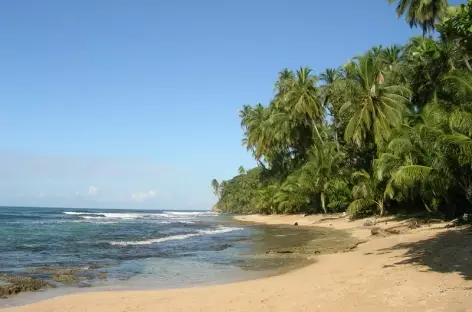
pixel 95 249
pixel 79 250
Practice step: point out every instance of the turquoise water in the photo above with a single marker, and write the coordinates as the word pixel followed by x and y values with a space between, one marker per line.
pixel 104 249
pixel 116 242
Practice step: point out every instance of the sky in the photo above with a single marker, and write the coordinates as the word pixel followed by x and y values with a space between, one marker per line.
pixel 134 104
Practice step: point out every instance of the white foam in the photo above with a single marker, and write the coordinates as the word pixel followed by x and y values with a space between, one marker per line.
pixel 111 215
pixel 184 217
pixel 187 213
pixel 219 230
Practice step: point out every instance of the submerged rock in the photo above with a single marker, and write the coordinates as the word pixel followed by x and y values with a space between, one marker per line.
pixel 65 278
pixel 16 284
pixel 223 247
pixel 102 275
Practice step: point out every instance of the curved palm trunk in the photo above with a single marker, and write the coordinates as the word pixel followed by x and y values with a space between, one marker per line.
pixel 317 132
pixel 466 61
pixel 323 204
pixel 380 203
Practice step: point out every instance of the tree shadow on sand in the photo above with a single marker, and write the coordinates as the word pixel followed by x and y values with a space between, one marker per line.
pixel 445 253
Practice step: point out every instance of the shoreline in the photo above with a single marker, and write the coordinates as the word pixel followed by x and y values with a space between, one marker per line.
pixel 417 270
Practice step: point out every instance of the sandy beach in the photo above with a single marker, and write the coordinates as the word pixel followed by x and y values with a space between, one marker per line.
pixel 423 269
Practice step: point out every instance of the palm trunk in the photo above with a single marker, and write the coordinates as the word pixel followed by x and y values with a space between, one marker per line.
pixel 466 61
pixel 381 205
pixel 317 132
pixel 323 202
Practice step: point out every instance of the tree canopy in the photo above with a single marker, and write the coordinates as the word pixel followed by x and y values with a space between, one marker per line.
pixel 390 130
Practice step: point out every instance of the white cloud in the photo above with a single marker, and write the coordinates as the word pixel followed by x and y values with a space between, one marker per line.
pixel 92 190
pixel 139 197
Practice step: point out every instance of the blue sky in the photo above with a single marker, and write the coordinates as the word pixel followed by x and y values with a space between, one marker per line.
pixel 134 104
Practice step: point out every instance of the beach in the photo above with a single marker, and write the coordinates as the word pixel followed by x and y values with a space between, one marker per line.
pixel 421 269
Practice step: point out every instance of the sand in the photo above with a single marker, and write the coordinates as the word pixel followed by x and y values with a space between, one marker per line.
pixel 423 269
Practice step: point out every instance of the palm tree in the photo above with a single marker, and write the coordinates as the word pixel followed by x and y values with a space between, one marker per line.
pixel 241 170
pixel 426 64
pixel 254 121
pixel 301 99
pixel 329 78
pixel 367 193
pixel 302 95
pixel 216 187
pixel 455 28
pixel 332 99
pixel 322 167
pixel 422 13
pixel 375 106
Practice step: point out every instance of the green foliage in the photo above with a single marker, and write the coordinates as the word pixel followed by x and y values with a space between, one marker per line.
pixel 390 129
pixel 238 194
pixel 456 27
pixel 422 13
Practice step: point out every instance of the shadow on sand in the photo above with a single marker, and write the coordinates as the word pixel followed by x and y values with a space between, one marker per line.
pixel 445 253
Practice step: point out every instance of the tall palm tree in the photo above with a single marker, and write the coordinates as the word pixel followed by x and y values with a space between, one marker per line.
pixel 241 170
pixel 216 187
pixel 329 78
pixel 426 64
pixel 254 120
pixel 332 98
pixel 375 106
pixel 302 101
pixel 302 95
pixel 422 13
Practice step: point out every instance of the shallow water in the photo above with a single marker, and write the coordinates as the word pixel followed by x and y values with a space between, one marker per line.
pixel 118 249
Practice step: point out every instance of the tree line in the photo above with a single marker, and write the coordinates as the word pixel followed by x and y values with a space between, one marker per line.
pixel 389 131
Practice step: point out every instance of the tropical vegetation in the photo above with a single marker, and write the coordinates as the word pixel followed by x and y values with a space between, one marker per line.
pixel 389 131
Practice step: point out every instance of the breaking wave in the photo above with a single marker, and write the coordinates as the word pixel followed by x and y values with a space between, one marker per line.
pixel 219 230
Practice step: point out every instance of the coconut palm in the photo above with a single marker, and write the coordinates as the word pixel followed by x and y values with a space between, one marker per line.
pixel 301 99
pixel 368 195
pixel 254 121
pixel 422 13
pixel 375 106
pixel 323 165
pixel 401 149
pixel 216 187
pixel 328 89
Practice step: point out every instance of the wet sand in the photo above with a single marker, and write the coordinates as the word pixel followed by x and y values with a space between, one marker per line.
pixel 423 269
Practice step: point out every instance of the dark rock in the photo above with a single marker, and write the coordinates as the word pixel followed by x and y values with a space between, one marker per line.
pixel 65 278
pixel 83 285
pixel 280 252
pixel 223 247
pixel 453 223
pixel 102 275
pixel 413 224
pixel 380 231
pixel 392 231
pixel 284 251
pixel 296 224
pixel 377 231
pixel 369 223
pixel 15 284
